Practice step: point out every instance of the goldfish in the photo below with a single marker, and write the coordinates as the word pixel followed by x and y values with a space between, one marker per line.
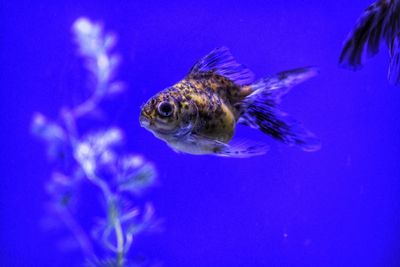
pixel 379 23
pixel 199 114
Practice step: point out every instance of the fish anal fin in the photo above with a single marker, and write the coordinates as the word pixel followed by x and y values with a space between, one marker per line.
pixel 242 149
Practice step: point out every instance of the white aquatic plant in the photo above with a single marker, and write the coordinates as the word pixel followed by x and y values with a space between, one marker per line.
pixel 95 157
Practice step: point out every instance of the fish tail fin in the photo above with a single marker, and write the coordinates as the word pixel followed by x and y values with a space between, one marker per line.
pixel 260 109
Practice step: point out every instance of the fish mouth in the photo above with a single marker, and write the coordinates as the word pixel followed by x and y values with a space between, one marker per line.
pixel 145 121
pixel 150 125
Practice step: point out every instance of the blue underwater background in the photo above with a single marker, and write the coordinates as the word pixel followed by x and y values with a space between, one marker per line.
pixel 339 206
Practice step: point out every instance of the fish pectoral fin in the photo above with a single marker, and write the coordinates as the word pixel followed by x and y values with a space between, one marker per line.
pixel 242 149
pixel 221 62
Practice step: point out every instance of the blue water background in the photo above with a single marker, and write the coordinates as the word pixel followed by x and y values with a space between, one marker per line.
pixel 339 206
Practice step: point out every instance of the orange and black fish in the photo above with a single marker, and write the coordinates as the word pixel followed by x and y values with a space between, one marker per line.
pixel 199 114
pixel 379 23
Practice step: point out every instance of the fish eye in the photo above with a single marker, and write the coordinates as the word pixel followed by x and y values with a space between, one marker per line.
pixel 165 109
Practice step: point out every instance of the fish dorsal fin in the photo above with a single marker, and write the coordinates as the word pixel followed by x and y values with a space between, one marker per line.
pixel 221 62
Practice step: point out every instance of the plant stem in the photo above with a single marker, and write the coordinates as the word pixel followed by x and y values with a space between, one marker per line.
pixel 86 107
pixel 92 102
pixel 117 223
pixel 120 242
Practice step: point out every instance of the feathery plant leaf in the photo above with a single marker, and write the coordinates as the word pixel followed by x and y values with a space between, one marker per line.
pixel 96 158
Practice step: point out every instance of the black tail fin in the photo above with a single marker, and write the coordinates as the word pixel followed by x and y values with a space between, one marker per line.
pixel 260 109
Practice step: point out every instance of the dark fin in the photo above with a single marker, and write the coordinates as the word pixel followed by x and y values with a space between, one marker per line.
pixel 379 21
pixel 261 111
pixel 394 68
pixel 391 27
pixel 221 62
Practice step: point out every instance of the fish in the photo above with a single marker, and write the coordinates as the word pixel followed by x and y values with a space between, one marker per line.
pixel 379 23
pixel 199 114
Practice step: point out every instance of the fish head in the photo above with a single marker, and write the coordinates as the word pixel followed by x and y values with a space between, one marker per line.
pixel 166 115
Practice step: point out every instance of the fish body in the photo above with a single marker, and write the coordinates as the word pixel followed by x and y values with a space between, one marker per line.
pixel 199 114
